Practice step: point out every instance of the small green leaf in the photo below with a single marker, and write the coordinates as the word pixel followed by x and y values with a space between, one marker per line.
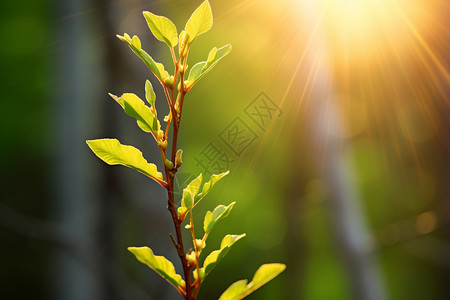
pixel 200 21
pixel 201 68
pixel 188 199
pixel 156 68
pixel 208 185
pixel 190 192
pixel 211 218
pixel 162 28
pixel 150 93
pixel 215 55
pixel 241 289
pixel 194 185
pixel 136 108
pixel 214 257
pixel 112 152
pixel 159 264
pixel 195 73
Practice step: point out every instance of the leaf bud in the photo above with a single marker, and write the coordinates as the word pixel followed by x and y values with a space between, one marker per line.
pixel 202 273
pixel 200 244
pixel 181 211
pixel 191 258
pixel 169 81
pixel 162 144
pixel 168 163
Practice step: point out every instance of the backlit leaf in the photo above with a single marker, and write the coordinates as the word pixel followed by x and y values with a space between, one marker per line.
pixel 211 218
pixel 136 108
pixel 112 152
pixel 215 256
pixel 188 199
pixel 194 185
pixel 159 264
pixel 201 68
pixel 208 185
pixel 150 93
pixel 241 289
pixel 156 68
pixel 195 73
pixel 162 28
pixel 190 192
pixel 200 21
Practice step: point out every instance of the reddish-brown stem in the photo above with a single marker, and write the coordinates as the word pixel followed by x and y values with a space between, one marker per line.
pixel 179 240
pixel 197 254
pixel 175 118
pixel 170 174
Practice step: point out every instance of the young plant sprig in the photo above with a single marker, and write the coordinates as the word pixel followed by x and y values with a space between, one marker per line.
pixel 112 152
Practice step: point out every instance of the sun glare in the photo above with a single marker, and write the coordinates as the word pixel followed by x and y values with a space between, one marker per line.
pixel 363 27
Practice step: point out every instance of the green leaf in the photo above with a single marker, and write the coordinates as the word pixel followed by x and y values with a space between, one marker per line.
pixel 211 218
pixel 188 199
pixel 112 152
pixel 201 68
pixel 190 192
pixel 194 185
pixel 162 28
pixel 214 257
pixel 136 108
pixel 155 67
pixel 215 55
pixel 136 42
pixel 241 289
pixel 208 185
pixel 150 93
pixel 159 264
pixel 195 73
pixel 200 21
pixel 235 291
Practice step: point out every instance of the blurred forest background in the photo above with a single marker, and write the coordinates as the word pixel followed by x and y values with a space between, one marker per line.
pixel 342 171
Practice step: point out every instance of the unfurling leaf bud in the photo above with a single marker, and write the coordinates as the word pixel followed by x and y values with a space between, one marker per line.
pixel 200 244
pixel 188 226
pixel 168 163
pixel 191 258
pixel 178 156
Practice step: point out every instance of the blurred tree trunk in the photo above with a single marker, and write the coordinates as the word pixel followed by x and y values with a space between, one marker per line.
pixel 77 69
pixel 86 200
pixel 348 221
